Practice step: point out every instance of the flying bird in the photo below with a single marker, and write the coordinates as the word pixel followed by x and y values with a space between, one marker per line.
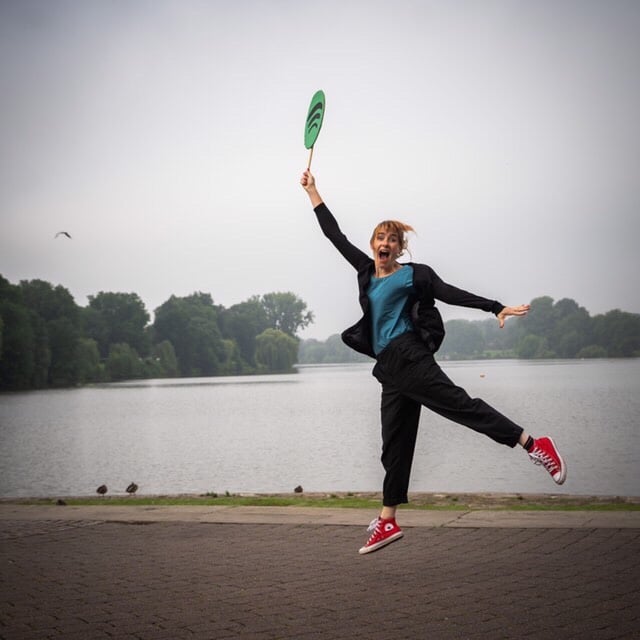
pixel 132 488
pixel 63 233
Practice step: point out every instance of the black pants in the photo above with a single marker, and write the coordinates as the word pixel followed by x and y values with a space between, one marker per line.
pixel 410 378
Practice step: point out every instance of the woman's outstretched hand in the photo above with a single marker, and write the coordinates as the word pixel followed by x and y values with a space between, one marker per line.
pixel 522 310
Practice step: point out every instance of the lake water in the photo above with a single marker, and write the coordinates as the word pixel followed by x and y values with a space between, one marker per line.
pixel 318 428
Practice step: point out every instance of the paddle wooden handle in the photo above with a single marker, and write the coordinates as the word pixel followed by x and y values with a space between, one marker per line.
pixel 310 157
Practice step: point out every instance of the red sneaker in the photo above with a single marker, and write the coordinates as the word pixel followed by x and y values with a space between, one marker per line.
pixel 384 532
pixel 544 452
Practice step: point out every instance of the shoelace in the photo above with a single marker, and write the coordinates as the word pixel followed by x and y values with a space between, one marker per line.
pixel 373 528
pixel 540 457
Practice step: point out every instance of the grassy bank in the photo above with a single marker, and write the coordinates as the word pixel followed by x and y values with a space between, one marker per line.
pixel 433 501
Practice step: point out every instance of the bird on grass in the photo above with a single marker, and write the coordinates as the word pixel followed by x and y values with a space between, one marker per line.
pixel 63 233
pixel 102 489
pixel 132 488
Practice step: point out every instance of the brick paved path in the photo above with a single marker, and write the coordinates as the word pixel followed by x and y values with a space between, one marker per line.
pixel 171 581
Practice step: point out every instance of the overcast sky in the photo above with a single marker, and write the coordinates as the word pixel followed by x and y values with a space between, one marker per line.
pixel 167 138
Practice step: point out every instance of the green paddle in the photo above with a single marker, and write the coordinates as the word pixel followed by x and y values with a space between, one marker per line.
pixel 313 123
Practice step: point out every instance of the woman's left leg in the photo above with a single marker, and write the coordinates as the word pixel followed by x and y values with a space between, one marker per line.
pixel 427 384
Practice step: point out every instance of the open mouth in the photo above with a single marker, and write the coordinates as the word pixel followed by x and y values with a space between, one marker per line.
pixel 383 254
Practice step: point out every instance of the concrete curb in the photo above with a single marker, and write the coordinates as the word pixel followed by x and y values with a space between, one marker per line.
pixel 324 516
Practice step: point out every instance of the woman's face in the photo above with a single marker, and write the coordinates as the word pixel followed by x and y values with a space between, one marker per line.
pixel 386 247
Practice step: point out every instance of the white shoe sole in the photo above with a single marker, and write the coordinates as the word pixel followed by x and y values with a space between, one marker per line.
pixel 382 543
pixel 563 467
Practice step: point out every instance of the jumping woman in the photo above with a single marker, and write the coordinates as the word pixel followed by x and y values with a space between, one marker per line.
pixel 402 329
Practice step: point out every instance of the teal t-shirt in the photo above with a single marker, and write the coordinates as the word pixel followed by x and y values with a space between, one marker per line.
pixel 388 302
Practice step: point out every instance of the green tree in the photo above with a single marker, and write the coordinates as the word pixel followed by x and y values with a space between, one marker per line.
pixel 618 332
pixel 17 362
pixel 191 325
pixel 463 339
pixel 113 318
pixel 311 352
pixel 242 323
pixel 592 351
pixel 499 341
pixel 64 339
pixel 165 355
pixel 540 319
pixel 49 302
pixel 286 312
pixel 332 350
pixel 123 363
pixel 571 328
pixel 19 342
pixel 89 368
pixel 276 351
pixel 56 322
pixel 10 292
pixel 234 363
pixel 532 346
pixel 338 351
pixel 41 351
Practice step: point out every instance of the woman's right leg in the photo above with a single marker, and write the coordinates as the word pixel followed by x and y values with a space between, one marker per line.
pixel 400 417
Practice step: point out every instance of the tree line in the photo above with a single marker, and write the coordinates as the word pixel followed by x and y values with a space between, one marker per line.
pixel 561 329
pixel 47 340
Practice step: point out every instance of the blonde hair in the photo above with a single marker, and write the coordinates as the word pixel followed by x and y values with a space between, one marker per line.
pixel 397 227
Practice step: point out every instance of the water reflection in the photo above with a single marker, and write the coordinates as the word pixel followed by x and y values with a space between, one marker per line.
pixel 201 382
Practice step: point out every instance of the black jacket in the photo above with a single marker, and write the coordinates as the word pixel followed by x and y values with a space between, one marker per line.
pixel 428 287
